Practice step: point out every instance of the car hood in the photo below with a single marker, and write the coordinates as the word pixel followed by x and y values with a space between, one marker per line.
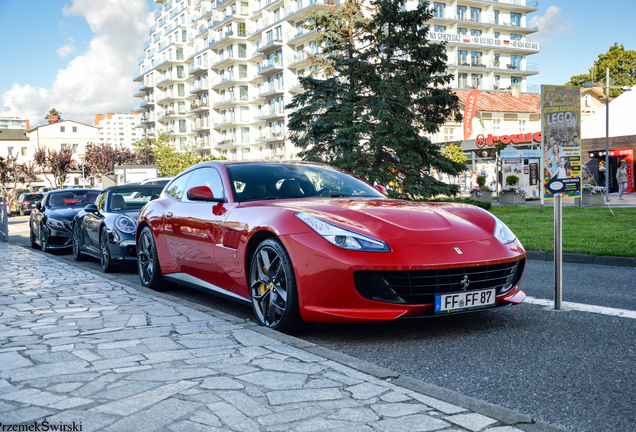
pixel 401 222
pixel 62 214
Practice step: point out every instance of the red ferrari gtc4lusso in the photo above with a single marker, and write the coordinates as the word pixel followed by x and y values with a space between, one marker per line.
pixel 309 242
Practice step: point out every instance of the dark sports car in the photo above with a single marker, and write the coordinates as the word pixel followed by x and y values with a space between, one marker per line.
pixel 309 242
pixel 50 222
pixel 106 229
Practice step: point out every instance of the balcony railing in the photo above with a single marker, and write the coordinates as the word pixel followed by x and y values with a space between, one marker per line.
pixel 197 66
pixel 269 64
pixel 483 18
pixel 265 43
pixel 199 85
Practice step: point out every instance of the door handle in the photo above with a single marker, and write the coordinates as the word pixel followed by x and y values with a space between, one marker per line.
pixel 168 215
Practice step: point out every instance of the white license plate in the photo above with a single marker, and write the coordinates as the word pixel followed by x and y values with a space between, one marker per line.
pixel 464 300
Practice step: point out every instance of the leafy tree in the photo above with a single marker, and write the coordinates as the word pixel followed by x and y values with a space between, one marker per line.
pixel 169 161
pixel 383 88
pixel 622 70
pixel 455 153
pixel 56 163
pixel 102 158
pixel 13 174
pixel 54 112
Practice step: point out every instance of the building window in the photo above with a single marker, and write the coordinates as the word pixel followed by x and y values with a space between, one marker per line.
pixel 474 32
pixel 496 62
pixel 462 31
pixel 10 151
pixel 63 146
pixel 462 58
pixel 475 14
pixel 74 129
pixel 438 10
pixel 496 126
pixel 24 149
pixel 62 129
pixel 497 80
pixel 515 37
pixel 523 125
pixel 476 80
pixel 515 81
pixel 475 59
pixel 439 28
pixel 462 12
pixel 496 35
pixel 496 17
pixel 462 80
pixel 515 61
pixel 75 148
pixel 515 19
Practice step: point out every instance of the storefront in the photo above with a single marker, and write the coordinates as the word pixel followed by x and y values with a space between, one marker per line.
pixel 526 165
pixel 616 156
pixel 480 154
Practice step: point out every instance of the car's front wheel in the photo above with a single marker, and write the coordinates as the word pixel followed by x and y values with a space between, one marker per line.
pixel 77 244
pixel 43 244
pixel 104 252
pixel 148 261
pixel 273 288
pixel 34 244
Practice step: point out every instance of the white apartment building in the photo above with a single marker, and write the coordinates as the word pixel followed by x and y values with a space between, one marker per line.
pixel 217 75
pixel 118 129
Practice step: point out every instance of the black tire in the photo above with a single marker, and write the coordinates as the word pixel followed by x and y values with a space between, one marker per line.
pixel 273 288
pixel 43 244
pixel 148 266
pixel 105 257
pixel 77 245
pixel 34 244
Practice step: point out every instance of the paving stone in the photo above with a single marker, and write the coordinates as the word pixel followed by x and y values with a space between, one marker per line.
pixel 13 360
pixel 414 423
pixel 188 426
pixel 126 390
pixel 366 390
pixel 164 356
pixel 161 344
pixel 233 417
pixel 394 396
pixel 119 344
pixel 250 337
pixel 244 403
pixel 473 422
pixel 295 352
pixel 70 403
pixel 117 362
pixel 4 407
pixel 24 415
pixel 322 424
pixel 45 370
pixel 341 378
pixel 360 415
pixel 502 429
pixel 295 396
pixel 398 409
pixel 127 406
pixel 55 357
pixel 136 321
pixel 206 418
pixel 155 417
pixel 275 380
pixel 220 383
pixel 291 416
pixel 65 387
pixel 33 397
pixel 321 383
pixel 289 366
pixel 439 405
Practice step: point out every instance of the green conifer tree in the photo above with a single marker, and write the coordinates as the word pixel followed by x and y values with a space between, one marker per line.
pixel 379 87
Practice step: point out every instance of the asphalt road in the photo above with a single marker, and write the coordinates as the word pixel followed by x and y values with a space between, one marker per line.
pixel 569 368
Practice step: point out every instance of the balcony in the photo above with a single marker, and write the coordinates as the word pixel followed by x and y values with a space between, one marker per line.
pixel 485 41
pixel 201 125
pixel 265 44
pixel 199 86
pixel 483 20
pixel 270 65
pixel 202 143
pixel 169 96
pixel 300 35
pixel 138 76
pixel 229 121
pixel 267 113
pixel 201 105
pixel 270 90
pixel 146 102
pixel 219 60
pixel 168 78
pixel 198 67
pixel 299 59
pixel 269 136
pixel 295 87
pixel 227 79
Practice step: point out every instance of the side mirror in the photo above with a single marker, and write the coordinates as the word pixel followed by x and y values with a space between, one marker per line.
pixel 91 208
pixel 380 188
pixel 38 205
pixel 202 193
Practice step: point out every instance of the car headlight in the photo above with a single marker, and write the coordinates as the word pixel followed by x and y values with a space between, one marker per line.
pixel 341 237
pixel 502 232
pixel 54 223
pixel 125 224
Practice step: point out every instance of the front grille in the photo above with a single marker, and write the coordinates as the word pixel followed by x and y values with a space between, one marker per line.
pixel 421 286
pixel 58 241
pixel 132 250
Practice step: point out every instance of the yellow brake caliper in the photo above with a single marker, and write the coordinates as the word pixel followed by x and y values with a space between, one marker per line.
pixel 263 286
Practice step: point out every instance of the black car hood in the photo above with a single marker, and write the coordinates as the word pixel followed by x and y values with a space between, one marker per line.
pixel 64 214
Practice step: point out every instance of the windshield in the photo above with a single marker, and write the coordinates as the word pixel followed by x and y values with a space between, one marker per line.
pixel 132 198
pixel 70 198
pixel 257 181
pixel 33 197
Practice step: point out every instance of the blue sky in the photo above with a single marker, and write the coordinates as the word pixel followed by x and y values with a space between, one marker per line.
pixel 79 55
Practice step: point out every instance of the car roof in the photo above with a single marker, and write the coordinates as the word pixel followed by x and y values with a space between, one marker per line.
pixel 72 190
pixel 131 187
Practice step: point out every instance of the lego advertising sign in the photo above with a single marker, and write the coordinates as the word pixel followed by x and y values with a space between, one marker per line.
pixel 561 144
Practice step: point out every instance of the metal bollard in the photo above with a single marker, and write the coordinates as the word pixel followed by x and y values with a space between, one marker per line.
pixel 4 221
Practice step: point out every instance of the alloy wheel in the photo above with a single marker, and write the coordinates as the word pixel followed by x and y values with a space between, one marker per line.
pixel 268 286
pixel 145 258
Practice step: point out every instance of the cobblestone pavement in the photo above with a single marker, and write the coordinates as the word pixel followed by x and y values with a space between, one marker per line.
pixel 78 349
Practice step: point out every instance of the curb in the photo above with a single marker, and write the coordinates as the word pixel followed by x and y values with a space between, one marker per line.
pixel 521 421
pixel 611 261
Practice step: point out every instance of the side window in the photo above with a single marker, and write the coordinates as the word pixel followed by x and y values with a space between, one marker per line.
pixel 101 199
pixel 209 177
pixel 177 187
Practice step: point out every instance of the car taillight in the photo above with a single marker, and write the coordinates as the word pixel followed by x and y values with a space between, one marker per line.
pixel 25 202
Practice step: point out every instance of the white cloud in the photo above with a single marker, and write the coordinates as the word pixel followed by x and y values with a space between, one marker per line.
pixel 98 80
pixel 550 25
pixel 67 49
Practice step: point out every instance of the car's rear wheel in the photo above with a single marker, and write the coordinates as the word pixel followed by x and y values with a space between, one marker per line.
pixel 104 252
pixel 273 288
pixel 77 244
pixel 148 261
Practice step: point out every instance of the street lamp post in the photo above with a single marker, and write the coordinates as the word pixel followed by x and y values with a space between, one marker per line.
pixel 607 87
